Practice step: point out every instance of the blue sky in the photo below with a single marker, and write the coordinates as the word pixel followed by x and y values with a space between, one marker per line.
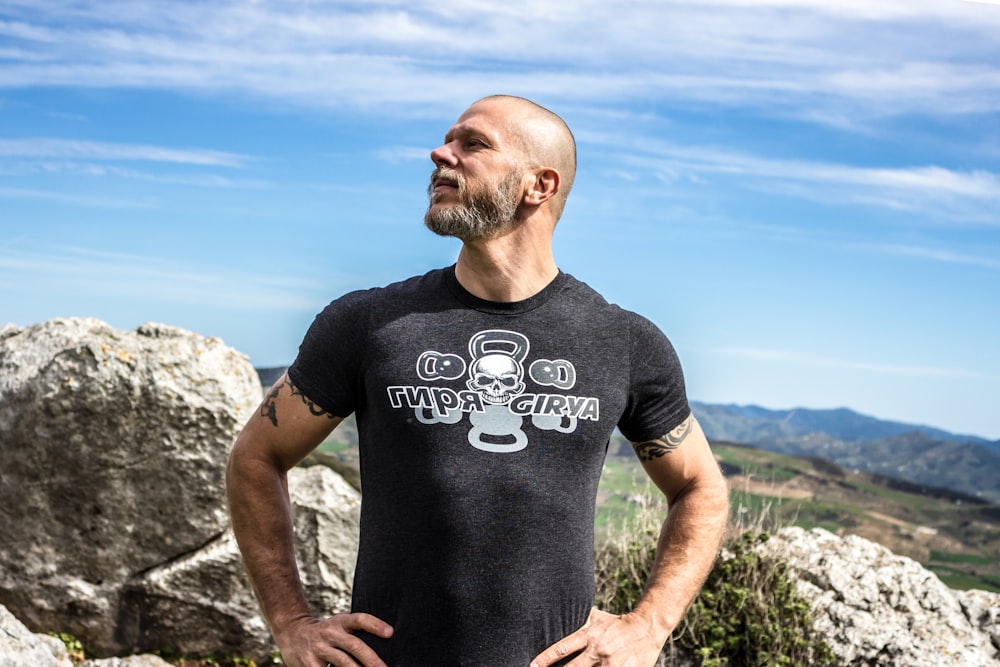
pixel 804 195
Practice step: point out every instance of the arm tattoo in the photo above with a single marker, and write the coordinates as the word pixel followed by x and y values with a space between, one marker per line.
pixel 666 443
pixel 314 409
pixel 269 408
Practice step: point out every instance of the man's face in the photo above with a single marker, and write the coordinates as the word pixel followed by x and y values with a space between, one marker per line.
pixel 479 210
pixel 477 186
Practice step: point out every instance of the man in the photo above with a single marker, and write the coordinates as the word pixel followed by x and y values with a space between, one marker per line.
pixel 485 396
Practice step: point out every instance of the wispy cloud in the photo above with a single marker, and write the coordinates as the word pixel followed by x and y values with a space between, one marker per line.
pixel 938 255
pixel 99 170
pixel 798 359
pixel 94 150
pixel 397 154
pixel 86 201
pixel 970 196
pixel 790 54
pixel 83 270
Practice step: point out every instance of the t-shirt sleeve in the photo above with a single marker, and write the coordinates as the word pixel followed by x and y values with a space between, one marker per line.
pixel 328 366
pixel 657 400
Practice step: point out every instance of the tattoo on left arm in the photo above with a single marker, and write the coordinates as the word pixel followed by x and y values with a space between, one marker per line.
pixel 666 443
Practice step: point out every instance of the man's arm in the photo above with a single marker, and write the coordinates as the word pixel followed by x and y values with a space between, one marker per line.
pixel 285 428
pixel 682 466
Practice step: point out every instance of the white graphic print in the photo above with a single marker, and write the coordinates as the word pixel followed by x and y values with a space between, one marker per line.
pixel 496 372
pixel 495 392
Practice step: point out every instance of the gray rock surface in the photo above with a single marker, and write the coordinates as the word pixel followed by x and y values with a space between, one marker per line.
pixel 112 449
pixel 202 603
pixel 876 608
pixel 19 647
pixel 146 660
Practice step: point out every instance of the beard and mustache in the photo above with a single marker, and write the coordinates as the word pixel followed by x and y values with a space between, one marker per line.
pixel 483 211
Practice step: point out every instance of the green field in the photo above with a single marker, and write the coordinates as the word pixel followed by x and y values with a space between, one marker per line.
pixel 958 541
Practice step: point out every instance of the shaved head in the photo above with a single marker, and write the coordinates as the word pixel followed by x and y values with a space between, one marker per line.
pixel 544 139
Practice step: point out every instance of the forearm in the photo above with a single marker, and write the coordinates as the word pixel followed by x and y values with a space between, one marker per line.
pixel 262 521
pixel 686 550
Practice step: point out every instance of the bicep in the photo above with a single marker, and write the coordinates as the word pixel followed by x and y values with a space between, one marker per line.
pixel 678 459
pixel 285 427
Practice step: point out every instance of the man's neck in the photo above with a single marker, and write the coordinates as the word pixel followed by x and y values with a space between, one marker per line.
pixel 506 269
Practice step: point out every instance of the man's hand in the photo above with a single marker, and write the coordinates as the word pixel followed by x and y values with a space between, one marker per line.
pixel 314 643
pixel 607 640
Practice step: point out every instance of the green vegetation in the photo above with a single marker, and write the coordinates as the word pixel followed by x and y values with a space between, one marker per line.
pixel 77 653
pixel 942 557
pixel 747 615
pixel 958 540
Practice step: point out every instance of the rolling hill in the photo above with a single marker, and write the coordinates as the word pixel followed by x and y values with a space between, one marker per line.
pixel 955 535
pixel 918 454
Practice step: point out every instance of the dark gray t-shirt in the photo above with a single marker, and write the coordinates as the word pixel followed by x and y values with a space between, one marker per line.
pixel 483 429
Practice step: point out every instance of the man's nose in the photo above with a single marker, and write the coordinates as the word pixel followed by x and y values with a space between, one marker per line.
pixel 443 155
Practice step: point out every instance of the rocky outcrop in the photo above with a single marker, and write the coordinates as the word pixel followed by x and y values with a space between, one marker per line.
pixel 147 660
pixel 19 647
pixel 201 604
pixel 876 608
pixel 112 453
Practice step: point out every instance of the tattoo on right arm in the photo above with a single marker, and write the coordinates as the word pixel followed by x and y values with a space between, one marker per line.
pixel 269 408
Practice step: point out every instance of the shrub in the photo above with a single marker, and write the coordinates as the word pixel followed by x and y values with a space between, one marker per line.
pixel 748 614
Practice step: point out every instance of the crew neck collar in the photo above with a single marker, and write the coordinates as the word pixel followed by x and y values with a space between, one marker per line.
pixel 503 307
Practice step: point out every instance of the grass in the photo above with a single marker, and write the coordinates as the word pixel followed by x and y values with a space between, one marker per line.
pixel 933 531
pixel 748 614
pixel 971 559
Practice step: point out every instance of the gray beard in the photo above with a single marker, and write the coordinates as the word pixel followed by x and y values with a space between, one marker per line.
pixel 479 214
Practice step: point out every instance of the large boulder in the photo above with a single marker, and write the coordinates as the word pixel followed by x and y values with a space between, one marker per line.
pixel 876 608
pixel 112 452
pixel 202 604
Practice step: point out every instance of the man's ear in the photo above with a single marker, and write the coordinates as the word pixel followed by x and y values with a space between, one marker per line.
pixel 543 186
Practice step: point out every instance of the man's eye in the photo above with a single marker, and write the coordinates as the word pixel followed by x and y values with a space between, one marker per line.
pixel 473 143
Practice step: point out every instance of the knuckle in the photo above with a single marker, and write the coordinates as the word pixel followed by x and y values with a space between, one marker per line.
pixel 560 651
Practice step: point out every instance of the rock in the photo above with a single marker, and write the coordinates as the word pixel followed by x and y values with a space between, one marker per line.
pixel 877 608
pixel 19 647
pixel 202 604
pixel 146 660
pixel 112 450
pixel 983 611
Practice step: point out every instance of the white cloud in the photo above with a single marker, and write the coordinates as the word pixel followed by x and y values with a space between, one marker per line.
pixel 938 255
pixel 82 270
pixel 397 154
pixel 958 196
pixel 86 201
pixel 853 58
pixel 93 150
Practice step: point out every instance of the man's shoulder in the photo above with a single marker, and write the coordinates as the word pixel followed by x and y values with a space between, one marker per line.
pixel 401 289
pixel 434 278
pixel 583 292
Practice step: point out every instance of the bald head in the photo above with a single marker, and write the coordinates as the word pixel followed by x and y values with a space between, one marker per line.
pixel 543 137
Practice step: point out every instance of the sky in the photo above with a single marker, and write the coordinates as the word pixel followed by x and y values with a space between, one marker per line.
pixel 803 194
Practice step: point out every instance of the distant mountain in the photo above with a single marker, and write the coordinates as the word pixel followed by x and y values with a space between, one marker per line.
pixel 918 454
pixel 841 423
pixel 268 376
